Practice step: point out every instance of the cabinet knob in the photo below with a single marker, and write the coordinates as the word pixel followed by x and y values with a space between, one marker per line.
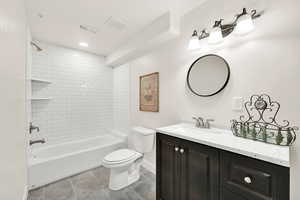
pixel 181 151
pixel 248 180
pixel 176 149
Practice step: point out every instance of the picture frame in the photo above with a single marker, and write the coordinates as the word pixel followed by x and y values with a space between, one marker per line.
pixel 149 92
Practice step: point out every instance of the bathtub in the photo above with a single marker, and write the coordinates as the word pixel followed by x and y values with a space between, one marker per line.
pixel 55 162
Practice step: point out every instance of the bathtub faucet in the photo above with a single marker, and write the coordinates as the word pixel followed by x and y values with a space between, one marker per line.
pixel 31 142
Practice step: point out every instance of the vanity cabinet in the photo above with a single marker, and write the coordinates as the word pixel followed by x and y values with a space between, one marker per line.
pixel 192 171
pixel 186 171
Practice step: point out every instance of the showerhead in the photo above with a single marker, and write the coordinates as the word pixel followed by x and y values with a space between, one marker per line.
pixel 36 46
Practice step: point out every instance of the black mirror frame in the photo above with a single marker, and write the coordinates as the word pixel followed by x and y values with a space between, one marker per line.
pixel 209 95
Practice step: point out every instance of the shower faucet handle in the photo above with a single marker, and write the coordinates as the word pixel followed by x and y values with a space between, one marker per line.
pixel 32 127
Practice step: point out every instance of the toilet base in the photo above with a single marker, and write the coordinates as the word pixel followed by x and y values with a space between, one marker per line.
pixel 124 176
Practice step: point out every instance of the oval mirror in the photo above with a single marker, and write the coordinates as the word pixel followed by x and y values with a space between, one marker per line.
pixel 208 75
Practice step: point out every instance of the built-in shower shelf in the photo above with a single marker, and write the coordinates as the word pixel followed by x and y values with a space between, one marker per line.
pixel 38 80
pixel 40 98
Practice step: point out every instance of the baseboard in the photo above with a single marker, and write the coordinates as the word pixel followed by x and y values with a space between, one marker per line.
pixel 149 166
pixel 25 194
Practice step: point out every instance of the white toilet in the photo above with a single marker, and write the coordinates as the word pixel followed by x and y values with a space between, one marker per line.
pixel 124 164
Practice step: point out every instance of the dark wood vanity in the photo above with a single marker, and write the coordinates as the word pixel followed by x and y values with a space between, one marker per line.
pixel 191 171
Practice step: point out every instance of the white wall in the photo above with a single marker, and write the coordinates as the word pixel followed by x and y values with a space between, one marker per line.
pixel 265 61
pixel 13 36
pixel 81 92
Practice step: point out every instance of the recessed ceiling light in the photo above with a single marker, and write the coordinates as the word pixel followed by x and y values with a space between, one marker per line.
pixel 83 44
pixel 40 15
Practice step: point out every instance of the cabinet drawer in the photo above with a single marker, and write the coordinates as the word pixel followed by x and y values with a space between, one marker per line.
pixel 249 178
pixel 254 179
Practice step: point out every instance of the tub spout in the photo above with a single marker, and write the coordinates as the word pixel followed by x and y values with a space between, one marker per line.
pixel 31 142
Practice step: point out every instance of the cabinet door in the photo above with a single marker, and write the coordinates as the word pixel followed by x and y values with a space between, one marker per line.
pixel 167 158
pixel 199 172
pixel 227 195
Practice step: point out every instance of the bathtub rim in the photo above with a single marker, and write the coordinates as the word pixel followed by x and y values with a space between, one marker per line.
pixel 36 160
pixel 36 181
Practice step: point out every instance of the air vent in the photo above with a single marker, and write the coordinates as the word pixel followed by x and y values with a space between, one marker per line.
pixel 115 24
pixel 89 29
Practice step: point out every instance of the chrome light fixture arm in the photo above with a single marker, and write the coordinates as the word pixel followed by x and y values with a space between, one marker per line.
pixel 254 15
pixel 203 34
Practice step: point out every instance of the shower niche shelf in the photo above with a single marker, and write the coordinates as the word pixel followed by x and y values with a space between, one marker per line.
pixel 40 98
pixel 38 80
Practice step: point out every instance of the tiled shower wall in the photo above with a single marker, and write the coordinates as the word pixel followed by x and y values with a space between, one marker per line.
pixel 122 99
pixel 81 94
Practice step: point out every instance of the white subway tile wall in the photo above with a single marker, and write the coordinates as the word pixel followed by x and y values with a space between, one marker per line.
pixel 81 93
pixel 122 99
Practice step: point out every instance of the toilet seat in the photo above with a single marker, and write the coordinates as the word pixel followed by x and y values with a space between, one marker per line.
pixel 121 157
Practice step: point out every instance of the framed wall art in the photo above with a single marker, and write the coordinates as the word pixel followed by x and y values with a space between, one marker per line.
pixel 149 92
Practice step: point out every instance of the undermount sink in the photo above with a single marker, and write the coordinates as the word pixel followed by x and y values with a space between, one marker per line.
pixel 190 128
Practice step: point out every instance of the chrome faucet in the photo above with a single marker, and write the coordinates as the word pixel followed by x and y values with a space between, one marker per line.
pixel 32 127
pixel 31 142
pixel 201 124
pixel 207 123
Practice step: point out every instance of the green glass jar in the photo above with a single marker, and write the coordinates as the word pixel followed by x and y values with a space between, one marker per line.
pixel 254 132
pixel 289 136
pixel 264 133
pixel 279 137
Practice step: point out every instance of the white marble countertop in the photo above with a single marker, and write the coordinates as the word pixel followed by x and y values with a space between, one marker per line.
pixel 224 139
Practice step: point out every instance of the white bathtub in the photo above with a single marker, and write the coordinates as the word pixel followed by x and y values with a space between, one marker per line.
pixel 56 162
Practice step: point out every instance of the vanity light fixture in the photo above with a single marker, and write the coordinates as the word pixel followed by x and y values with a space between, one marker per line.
pixel 215 36
pixel 245 23
pixel 194 41
pixel 242 25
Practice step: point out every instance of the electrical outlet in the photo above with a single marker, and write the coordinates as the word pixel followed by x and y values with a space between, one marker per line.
pixel 237 104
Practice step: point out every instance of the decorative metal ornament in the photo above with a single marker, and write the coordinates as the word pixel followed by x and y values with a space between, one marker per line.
pixel 261 123
pixel 261 104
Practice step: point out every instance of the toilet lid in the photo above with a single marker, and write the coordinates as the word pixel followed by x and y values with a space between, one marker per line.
pixel 118 156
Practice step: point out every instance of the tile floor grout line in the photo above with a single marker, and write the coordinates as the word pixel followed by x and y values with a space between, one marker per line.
pixel 73 188
pixel 44 194
pixel 93 173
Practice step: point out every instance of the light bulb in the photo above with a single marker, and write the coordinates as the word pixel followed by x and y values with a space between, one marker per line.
pixel 215 36
pixel 194 42
pixel 244 25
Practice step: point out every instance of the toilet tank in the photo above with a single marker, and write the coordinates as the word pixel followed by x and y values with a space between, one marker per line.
pixel 143 139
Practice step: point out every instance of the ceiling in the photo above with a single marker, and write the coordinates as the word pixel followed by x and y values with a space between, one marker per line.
pixel 112 22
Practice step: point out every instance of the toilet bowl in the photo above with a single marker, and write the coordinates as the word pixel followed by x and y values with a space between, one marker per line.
pixel 124 164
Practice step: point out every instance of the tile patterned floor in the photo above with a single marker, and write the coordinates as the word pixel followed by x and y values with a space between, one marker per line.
pixel 93 185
